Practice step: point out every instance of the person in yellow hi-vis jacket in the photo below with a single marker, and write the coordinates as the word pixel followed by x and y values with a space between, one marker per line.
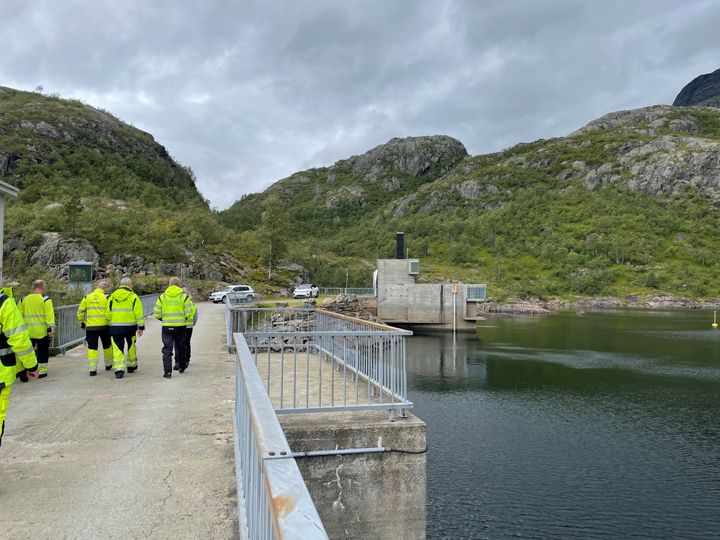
pixel 15 348
pixel 21 372
pixel 37 310
pixel 175 309
pixel 124 315
pixel 91 316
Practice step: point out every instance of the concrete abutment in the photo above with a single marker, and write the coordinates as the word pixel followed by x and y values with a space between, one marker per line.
pixel 368 494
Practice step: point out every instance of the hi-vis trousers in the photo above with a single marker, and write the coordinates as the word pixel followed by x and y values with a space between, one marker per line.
pixel 118 346
pixel 93 337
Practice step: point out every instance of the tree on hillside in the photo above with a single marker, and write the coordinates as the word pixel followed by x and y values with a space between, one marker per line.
pixel 72 209
pixel 272 231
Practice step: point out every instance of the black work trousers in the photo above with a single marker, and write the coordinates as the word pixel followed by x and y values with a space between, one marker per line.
pixel 188 337
pixel 174 337
pixel 92 336
pixel 42 349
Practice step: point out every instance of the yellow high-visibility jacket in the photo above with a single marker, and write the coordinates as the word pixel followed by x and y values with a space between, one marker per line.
pixel 174 308
pixel 39 315
pixel 92 310
pixel 15 345
pixel 124 313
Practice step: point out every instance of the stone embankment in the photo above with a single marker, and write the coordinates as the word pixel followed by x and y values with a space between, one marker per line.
pixel 362 308
pixel 537 306
pixel 352 306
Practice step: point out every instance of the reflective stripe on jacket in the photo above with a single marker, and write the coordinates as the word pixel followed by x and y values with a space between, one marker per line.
pixel 92 310
pixel 14 341
pixel 39 315
pixel 124 313
pixel 174 308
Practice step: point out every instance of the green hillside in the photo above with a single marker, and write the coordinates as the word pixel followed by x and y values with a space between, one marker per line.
pixel 625 206
pixel 97 181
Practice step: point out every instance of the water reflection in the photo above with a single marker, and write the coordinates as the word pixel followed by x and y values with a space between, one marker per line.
pixel 600 426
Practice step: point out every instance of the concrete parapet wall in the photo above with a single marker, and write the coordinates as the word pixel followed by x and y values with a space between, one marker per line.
pixel 369 495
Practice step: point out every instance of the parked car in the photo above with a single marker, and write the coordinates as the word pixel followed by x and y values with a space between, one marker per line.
pixel 306 290
pixel 244 293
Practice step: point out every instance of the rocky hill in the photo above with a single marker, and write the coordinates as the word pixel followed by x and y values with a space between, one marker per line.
pixel 95 188
pixel 702 90
pixel 624 206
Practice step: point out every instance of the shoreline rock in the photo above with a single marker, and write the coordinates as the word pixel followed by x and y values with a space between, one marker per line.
pixel 543 307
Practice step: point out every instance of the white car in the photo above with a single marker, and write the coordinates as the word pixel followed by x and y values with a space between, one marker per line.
pixel 243 293
pixel 306 290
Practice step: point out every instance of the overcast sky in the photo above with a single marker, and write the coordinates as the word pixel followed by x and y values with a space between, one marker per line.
pixel 247 93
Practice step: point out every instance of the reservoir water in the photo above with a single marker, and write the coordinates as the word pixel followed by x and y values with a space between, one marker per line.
pixel 605 425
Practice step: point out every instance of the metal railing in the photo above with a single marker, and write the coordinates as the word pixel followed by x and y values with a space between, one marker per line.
pixel 273 501
pixel 68 333
pixel 314 360
pixel 356 291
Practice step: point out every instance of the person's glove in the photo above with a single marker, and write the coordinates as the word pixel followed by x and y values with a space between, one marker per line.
pixel 82 325
pixel 22 375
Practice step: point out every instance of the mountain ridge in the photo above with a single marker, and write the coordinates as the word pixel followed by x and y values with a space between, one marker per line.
pixel 588 214
pixel 703 90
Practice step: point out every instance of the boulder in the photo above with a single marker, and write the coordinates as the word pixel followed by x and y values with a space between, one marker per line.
pixel 56 251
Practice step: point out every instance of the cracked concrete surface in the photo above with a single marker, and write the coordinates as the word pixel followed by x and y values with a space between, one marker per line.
pixel 140 457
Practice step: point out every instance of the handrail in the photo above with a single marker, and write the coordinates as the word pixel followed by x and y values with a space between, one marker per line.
pixel 356 320
pixel 273 501
pixel 68 333
pixel 348 291
pixel 300 351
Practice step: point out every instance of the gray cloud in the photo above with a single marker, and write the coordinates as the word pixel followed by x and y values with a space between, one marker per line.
pixel 248 92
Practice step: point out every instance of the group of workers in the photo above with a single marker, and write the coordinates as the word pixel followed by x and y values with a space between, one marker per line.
pixel 117 320
pixel 114 320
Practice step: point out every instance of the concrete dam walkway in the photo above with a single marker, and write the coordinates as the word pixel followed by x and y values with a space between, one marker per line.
pixel 139 457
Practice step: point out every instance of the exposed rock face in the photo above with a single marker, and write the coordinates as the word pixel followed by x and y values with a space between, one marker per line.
pixel 8 163
pixel 653 116
pixel 416 156
pixel 662 165
pixel 222 268
pixel 56 251
pixel 345 196
pixel 703 90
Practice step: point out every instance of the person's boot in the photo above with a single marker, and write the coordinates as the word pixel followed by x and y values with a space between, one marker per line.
pixel 119 374
pixel 93 373
pixel 131 369
pixel 22 375
pixel 108 368
pixel 168 375
pixel 176 367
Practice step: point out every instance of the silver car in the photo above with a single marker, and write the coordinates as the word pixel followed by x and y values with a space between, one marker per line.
pixel 236 292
